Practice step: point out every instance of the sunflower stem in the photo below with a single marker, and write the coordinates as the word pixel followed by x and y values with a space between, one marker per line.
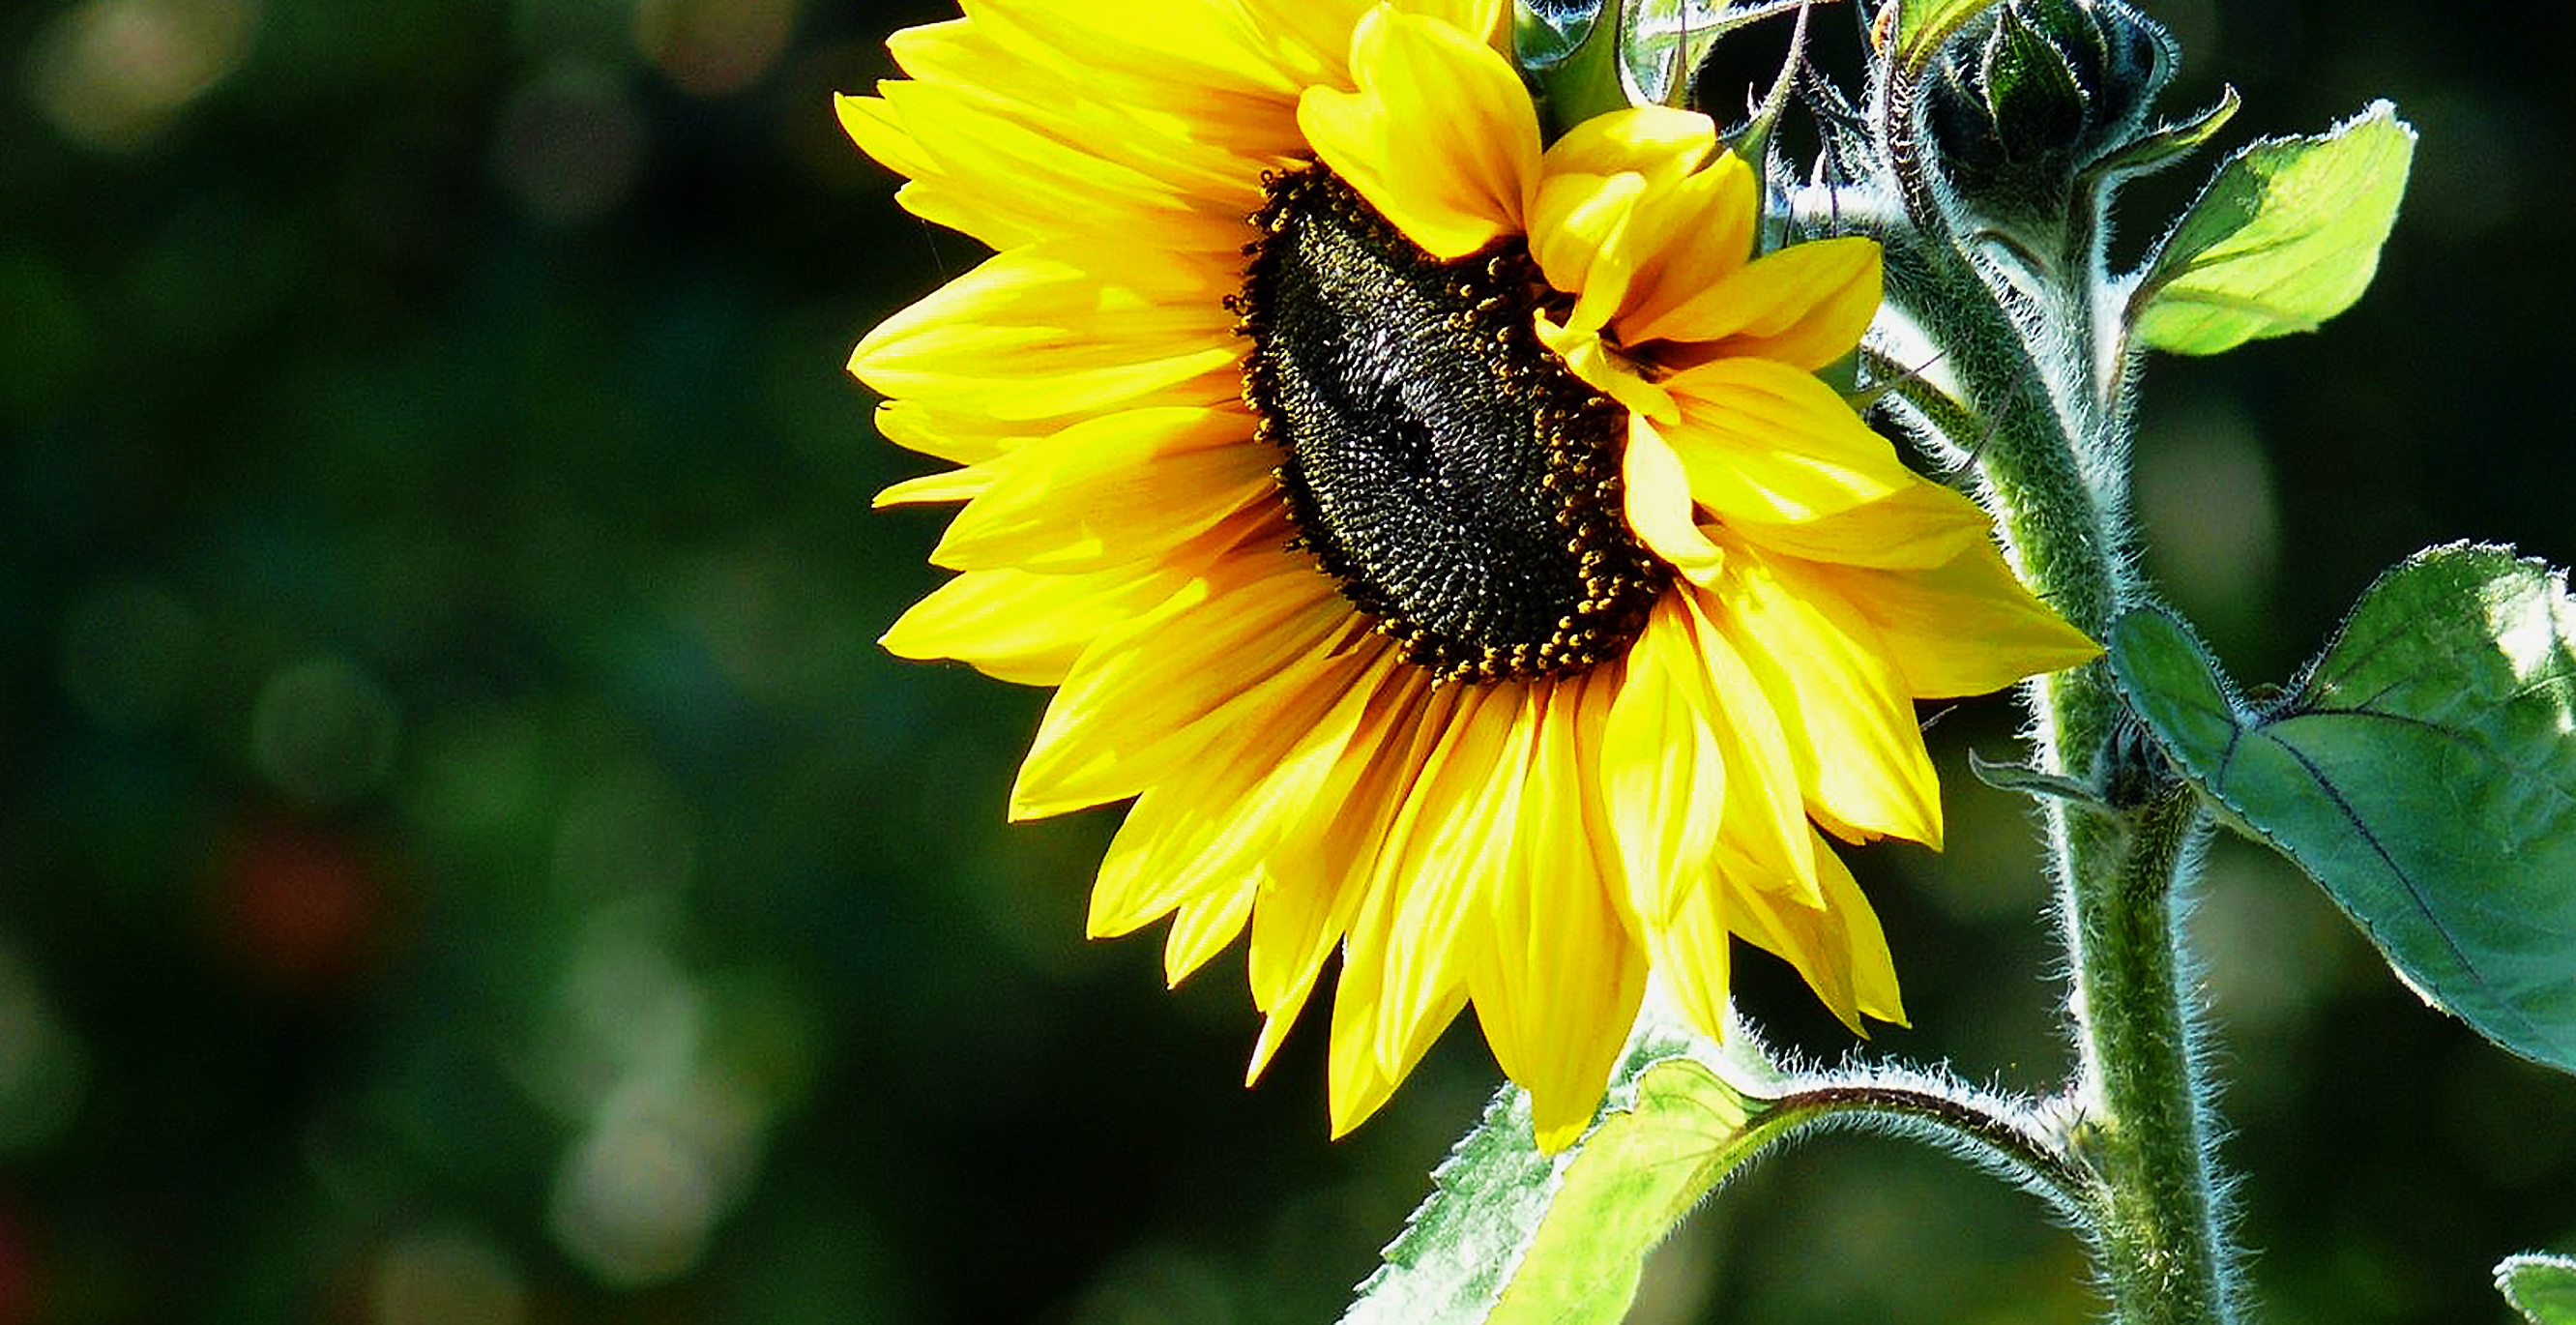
pixel 2025 345
pixel 2161 1247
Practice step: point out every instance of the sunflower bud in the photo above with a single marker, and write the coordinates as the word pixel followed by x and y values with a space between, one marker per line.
pixel 2023 100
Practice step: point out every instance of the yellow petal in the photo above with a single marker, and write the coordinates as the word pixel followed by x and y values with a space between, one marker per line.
pixel 1583 353
pixel 1768 443
pixel 1118 488
pixel 1766 816
pixel 1451 189
pixel 1560 983
pixel 1488 21
pixel 915 427
pixel 1963 627
pixel 1849 719
pixel 1688 237
pixel 1575 232
pixel 1357 1080
pixel 1356 1086
pixel 1060 182
pixel 1659 143
pixel 1916 527
pixel 1202 927
pixel 1691 953
pixel 873 126
pixel 1190 72
pixel 1461 815
pixel 1070 102
pixel 1209 826
pixel 1029 628
pixel 1837 948
pixel 1804 306
pixel 1190 49
pixel 1663 773
pixel 1144 700
pixel 1322 859
pixel 961 484
pixel 1322 862
pixel 1082 334
pixel 1657 493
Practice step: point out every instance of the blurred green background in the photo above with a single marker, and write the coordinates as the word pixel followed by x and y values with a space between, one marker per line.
pixel 463 858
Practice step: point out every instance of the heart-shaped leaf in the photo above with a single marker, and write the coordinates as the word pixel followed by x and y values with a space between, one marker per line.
pixel 2423 771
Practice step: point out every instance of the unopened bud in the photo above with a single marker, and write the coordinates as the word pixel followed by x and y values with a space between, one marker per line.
pixel 2024 98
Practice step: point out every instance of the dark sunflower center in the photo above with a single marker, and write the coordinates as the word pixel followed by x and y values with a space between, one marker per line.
pixel 1458 481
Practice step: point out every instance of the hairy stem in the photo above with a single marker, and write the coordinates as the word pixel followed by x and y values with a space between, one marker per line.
pixel 1996 1133
pixel 2163 1251
pixel 2033 371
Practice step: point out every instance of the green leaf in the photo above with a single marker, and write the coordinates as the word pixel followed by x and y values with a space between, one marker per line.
pixel 1569 52
pixel 2542 1288
pixel 2423 771
pixel 1512 1235
pixel 1665 41
pixel 2286 235
pixel 1922 25
pixel 1635 1178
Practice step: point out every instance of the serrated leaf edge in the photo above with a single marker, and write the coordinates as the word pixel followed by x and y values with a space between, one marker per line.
pixel 2506 1269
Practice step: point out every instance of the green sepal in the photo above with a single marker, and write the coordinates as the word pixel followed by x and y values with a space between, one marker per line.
pixel 1589 57
pixel 2285 235
pixel 1569 52
pixel 2028 84
pixel 1512 1235
pixel 2034 782
pixel 2423 770
pixel 2541 1287
pixel 2154 151
pixel 1663 42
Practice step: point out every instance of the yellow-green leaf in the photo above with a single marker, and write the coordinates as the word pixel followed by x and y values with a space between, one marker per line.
pixel 2285 236
pixel 1922 25
pixel 1512 1235
pixel 2542 1288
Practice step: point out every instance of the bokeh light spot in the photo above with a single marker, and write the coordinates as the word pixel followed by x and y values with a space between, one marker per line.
pixel 570 146
pixel 630 1009
pixel 111 73
pixel 43 1070
pixel 714 47
pixel 324 731
pixel 638 1197
pixel 300 906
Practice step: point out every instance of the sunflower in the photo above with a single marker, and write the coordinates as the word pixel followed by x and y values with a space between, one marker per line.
pixel 1440 535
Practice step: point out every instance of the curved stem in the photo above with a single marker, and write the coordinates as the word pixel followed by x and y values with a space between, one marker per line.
pixel 1993 1132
